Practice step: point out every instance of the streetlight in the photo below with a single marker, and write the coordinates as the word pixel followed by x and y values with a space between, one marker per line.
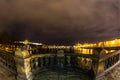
pixel 26 42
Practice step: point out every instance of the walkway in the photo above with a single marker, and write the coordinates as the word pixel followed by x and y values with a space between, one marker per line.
pixel 5 74
pixel 112 75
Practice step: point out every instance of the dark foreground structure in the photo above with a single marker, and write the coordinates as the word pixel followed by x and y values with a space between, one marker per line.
pixel 31 62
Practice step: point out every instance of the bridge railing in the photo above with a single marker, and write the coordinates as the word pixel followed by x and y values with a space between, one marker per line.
pixel 8 62
pixel 99 62
pixel 103 63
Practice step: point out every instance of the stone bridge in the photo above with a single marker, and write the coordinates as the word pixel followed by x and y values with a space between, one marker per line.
pixel 27 63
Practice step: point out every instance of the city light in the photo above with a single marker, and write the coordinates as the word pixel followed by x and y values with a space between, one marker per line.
pixel 109 43
pixel 79 48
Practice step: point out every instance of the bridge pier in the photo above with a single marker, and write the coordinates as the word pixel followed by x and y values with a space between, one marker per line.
pixel 98 62
pixel 102 63
pixel 23 65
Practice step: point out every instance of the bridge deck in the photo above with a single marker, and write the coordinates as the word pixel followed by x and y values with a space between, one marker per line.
pixel 112 75
pixel 6 74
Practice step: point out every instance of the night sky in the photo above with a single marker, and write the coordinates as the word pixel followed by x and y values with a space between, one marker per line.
pixel 60 21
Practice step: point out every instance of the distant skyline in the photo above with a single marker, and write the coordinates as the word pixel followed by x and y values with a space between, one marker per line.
pixel 60 21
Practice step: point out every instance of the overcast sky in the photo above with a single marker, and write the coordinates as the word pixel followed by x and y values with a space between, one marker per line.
pixel 61 21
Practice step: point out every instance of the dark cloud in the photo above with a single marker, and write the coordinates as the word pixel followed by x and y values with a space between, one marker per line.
pixel 61 21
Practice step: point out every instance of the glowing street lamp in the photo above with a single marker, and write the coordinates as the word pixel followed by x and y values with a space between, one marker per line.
pixel 26 42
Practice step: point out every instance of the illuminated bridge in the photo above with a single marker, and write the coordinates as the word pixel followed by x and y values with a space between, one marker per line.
pixel 42 62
